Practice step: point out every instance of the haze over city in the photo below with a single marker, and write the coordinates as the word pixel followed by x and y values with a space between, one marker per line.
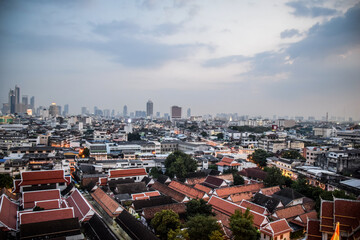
pixel 256 58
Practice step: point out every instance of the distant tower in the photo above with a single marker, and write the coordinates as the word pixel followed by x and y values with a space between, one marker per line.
pixel 175 112
pixel 32 103
pixel 125 111
pixel 12 101
pixel 84 110
pixel 66 110
pixel 53 110
pixel 17 94
pixel 149 108
pixel 188 113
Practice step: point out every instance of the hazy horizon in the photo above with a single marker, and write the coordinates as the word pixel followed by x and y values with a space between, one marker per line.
pixel 294 58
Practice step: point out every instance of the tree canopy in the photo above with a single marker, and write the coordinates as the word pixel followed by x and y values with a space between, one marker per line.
pixel 291 154
pixel 259 157
pixel 165 221
pixel 241 225
pixel 202 227
pixel 238 180
pixel 155 172
pixel 178 234
pixel 6 181
pixel 274 177
pixel 179 164
pixel 195 207
pixel 133 137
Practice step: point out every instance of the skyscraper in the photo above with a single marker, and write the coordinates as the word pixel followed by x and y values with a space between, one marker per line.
pixel 84 111
pixel 53 110
pixel 125 111
pixel 175 112
pixel 32 103
pixel 25 101
pixel 66 109
pixel 12 101
pixel 188 113
pixel 17 94
pixel 149 108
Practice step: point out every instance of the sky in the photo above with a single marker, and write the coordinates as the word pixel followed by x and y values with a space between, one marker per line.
pixel 293 58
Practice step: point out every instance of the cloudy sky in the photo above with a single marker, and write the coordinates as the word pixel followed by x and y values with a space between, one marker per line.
pixel 251 57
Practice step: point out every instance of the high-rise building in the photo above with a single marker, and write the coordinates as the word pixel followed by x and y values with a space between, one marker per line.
pixel 158 114
pixel 95 110
pixel 59 110
pixel 12 101
pixel 53 110
pixel 149 108
pixel 175 112
pixel 66 110
pixel 189 113
pixel 17 95
pixel 84 110
pixel 32 103
pixel 125 111
pixel 25 100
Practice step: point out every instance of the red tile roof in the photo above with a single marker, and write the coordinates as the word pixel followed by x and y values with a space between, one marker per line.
pixel 225 192
pixel 132 172
pixel 48 204
pixel 228 162
pixel 196 180
pixel 103 181
pixel 289 213
pixel 270 190
pixel 254 207
pixel 313 230
pixel 238 197
pixel 327 216
pixel 46 215
pixel 42 177
pixel 276 228
pixel 302 219
pixel 144 195
pixel 111 207
pixel 177 196
pixel 347 212
pixel 203 188
pixel 83 210
pixel 8 212
pixel 150 212
pixel 214 182
pixel 229 208
pixel 187 190
pixel 29 198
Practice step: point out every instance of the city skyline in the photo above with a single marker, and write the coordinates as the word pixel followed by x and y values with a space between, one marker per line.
pixel 285 57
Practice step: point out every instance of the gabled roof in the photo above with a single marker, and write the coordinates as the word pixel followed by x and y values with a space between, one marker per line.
pixel 48 204
pixel 162 200
pixel 97 229
pixel 177 196
pixel 187 190
pixel 46 215
pixel 203 188
pixel 276 228
pixel 135 187
pixel 163 179
pixel 347 212
pixel 225 192
pixel 8 213
pixel 313 230
pixel 302 219
pixel 150 212
pixel 29 198
pixel 228 162
pixel 327 216
pixel 111 207
pixel 42 177
pixel 270 190
pixel 131 172
pixel 289 213
pixel 253 173
pixel 83 210
pixel 214 182
pixel 144 195
pixel 287 195
pixel 134 228
pixel 229 209
pixel 238 197
pixel 195 180
pixel 270 203
pixel 254 207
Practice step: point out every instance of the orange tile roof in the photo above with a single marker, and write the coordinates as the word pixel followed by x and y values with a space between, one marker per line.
pixel 144 195
pixel 238 197
pixel 289 213
pixel 177 196
pixel 29 198
pixel 228 177
pixel 203 188
pixel 193 181
pixel 276 228
pixel 103 181
pixel 229 209
pixel 131 172
pixel 270 190
pixel 254 207
pixel 42 177
pixel 225 192
pixel 46 215
pixel 111 207
pixel 228 162
pixel 187 190
pixel 303 218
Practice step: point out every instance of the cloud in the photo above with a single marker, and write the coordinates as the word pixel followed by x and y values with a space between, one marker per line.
pixel 289 33
pixel 301 10
pixel 223 61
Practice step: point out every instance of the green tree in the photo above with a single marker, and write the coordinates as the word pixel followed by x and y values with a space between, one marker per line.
pixel 179 164
pixel 178 234
pixel 291 154
pixel 220 136
pixel 200 206
pixel 216 235
pixel 133 137
pixel 203 134
pixel 86 152
pixel 241 225
pixel 6 181
pixel 155 172
pixel 238 180
pixel 200 227
pixel 259 157
pixel 165 221
pixel 274 177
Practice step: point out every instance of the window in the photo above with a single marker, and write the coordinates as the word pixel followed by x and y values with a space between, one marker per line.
pixel 281 236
